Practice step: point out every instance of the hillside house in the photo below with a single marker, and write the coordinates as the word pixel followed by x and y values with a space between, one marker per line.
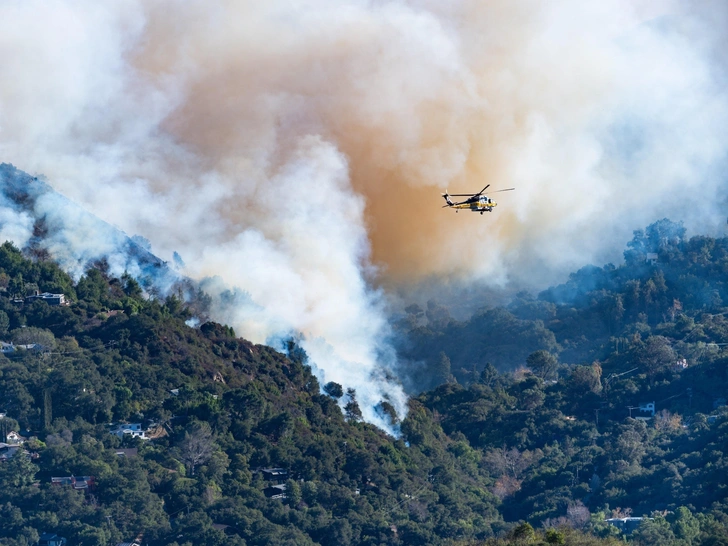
pixel 8 348
pixel 50 299
pixel 626 525
pixel 14 438
pixel 132 429
pixel 274 474
pixel 275 491
pixel 8 451
pixel 81 483
pixel 646 411
pixel 51 539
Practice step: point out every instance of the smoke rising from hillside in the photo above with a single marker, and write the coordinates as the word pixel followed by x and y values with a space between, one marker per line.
pixel 297 150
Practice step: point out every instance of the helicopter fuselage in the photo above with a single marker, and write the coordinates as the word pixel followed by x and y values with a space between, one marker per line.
pixel 475 202
pixel 480 204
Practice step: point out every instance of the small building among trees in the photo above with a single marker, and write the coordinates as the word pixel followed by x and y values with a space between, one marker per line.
pixel 50 299
pixel 275 491
pixel 51 539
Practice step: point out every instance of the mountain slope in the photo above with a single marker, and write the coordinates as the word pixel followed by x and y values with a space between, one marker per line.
pixel 554 446
pixel 118 357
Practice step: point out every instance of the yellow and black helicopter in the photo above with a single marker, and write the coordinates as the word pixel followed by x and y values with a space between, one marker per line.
pixel 476 202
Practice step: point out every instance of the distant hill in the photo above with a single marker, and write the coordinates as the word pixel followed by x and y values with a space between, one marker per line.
pixel 666 278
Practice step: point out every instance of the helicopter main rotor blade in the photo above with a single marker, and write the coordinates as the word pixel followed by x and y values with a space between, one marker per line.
pixel 507 189
pixel 470 194
pixel 485 188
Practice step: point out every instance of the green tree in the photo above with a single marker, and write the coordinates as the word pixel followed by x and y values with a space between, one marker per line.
pixel 16 286
pixel 443 372
pixel 4 322
pixel 523 533
pixel 543 364
pixel 656 355
pixel 34 336
pixel 131 286
pixel 585 379
pixel 196 447
pixel 18 471
pixel 488 375
pixel 352 409
pixel 686 526
pixel 335 390
pixel 654 531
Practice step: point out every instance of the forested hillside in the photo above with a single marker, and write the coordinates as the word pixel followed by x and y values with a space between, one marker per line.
pixel 524 436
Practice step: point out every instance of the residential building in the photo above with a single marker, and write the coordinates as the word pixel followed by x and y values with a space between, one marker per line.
pixel 132 429
pixel 15 438
pixel 50 299
pixel 274 474
pixel 275 491
pixel 8 451
pixel 51 539
pixel 627 525
pixel 82 483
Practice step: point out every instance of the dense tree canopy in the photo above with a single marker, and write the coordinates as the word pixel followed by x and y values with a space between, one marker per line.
pixel 523 429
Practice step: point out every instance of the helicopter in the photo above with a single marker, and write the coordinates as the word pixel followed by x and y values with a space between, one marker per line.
pixel 476 202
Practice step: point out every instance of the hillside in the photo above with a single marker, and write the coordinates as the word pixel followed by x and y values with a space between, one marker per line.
pixel 491 445
pixel 112 356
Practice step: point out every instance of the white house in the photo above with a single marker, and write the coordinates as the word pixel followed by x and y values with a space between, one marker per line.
pixel 50 299
pixel 15 438
pixel 626 524
pixel 133 429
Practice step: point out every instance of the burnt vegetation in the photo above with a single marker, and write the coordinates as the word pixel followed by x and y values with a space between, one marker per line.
pixel 522 428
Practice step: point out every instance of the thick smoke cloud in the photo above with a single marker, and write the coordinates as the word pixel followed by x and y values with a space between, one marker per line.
pixel 296 150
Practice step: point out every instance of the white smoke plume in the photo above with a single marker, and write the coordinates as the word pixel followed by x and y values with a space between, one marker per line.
pixel 296 150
